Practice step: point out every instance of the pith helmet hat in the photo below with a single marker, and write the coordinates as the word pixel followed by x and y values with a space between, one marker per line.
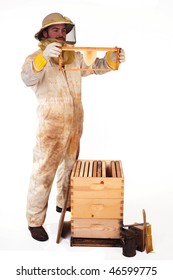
pixel 54 18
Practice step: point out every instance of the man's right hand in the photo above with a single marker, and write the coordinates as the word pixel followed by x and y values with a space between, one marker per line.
pixel 52 50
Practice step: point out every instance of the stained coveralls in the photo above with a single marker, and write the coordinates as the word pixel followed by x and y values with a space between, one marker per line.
pixel 60 115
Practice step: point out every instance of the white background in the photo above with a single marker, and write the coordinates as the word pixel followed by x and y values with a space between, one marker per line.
pixel 128 116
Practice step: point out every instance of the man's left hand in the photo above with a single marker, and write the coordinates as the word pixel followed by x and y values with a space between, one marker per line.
pixel 122 56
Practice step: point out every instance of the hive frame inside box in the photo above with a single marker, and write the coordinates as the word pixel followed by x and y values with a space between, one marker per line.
pixel 97 200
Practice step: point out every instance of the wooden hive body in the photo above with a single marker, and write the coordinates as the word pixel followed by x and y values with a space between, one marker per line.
pixel 97 199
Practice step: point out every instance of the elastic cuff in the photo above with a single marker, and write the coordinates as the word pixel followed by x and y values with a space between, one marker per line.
pixel 112 64
pixel 39 62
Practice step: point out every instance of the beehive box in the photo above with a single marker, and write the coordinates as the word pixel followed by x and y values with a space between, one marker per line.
pixel 97 199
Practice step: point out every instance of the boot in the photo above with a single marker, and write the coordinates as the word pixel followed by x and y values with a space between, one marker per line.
pixel 38 233
pixel 59 209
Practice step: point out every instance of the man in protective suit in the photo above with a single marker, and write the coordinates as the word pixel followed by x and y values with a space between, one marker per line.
pixel 60 113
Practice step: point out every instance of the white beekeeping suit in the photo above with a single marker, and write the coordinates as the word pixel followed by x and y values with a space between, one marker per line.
pixel 60 115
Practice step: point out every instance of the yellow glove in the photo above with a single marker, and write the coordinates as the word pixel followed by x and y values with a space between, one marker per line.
pixel 52 50
pixel 111 58
pixel 39 62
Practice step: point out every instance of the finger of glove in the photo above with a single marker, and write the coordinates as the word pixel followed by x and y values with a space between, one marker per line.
pixel 54 53
pixel 55 50
pixel 53 46
pixel 122 51
pixel 58 44
pixel 122 56
pixel 122 59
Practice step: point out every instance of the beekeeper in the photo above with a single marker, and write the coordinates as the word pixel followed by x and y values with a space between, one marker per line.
pixel 60 113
